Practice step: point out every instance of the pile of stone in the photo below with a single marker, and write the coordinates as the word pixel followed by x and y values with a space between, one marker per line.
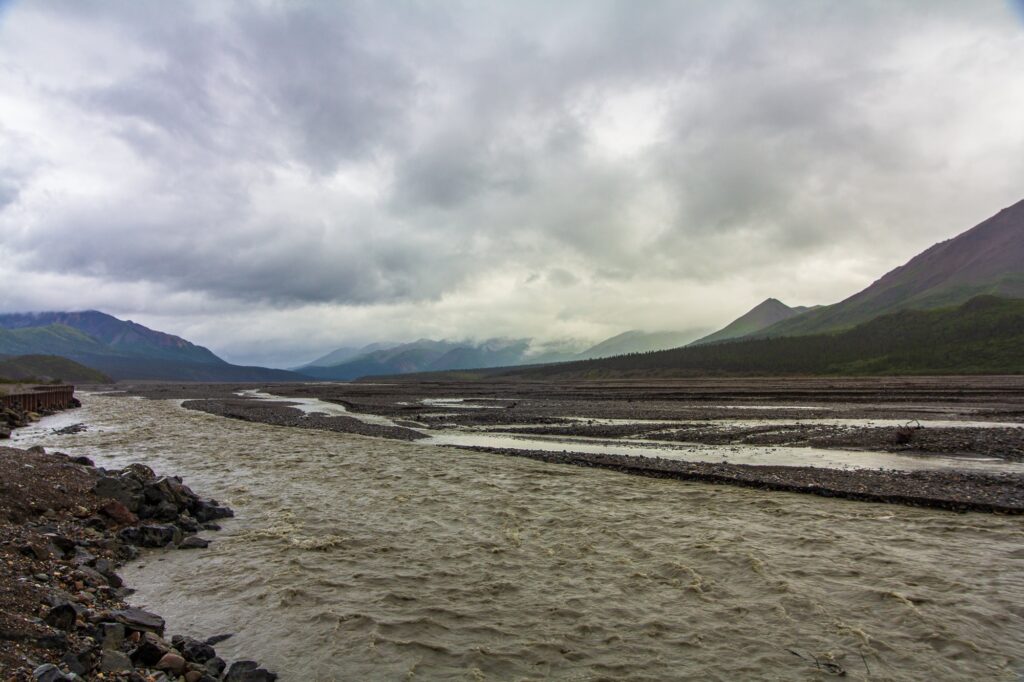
pixel 158 511
pixel 12 418
pixel 129 644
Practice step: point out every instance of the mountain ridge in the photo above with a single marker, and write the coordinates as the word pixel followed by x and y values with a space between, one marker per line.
pixel 984 335
pixel 985 259
pixel 763 315
pixel 122 349
pixel 425 355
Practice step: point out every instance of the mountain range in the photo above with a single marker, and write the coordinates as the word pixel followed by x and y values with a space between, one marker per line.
pixel 121 349
pixel 976 276
pixel 984 335
pixel 987 259
pixel 428 355
pixel 956 307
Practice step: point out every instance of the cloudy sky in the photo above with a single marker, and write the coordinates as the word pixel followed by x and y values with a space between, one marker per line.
pixel 275 179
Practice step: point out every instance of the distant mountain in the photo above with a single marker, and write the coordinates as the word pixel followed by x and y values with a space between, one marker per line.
pixel 40 368
pixel 985 335
pixel 487 354
pixel 987 259
pixel 763 315
pixel 427 355
pixel 344 354
pixel 401 359
pixel 635 341
pixel 424 355
pixel 121 337
pixel 122 349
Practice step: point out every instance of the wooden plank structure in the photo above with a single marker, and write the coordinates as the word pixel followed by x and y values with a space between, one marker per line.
pixel 40 398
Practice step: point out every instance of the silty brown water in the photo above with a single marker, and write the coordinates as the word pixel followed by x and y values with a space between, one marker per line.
pixel 356 558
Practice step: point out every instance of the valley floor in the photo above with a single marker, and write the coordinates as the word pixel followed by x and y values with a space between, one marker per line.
pixel 947 442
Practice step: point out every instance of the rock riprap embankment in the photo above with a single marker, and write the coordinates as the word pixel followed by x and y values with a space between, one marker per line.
pixel 65 527
pixel 14 417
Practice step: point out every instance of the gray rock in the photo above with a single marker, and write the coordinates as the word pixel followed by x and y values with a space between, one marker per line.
pixel 248 671
pixel 151 535
pixel 77 663
pixel 137 619
pixel 49 673
pixel 139 472
pixel 110 635
pixel 115 662
pixel 194 542
pixel 171 662
pixel 196 651
pixel 124 490
pixel 215 666
pixel 62 616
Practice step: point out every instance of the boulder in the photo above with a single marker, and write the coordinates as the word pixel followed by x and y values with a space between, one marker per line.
pixel 63 545
pixel 210 510
pixel 150 650
pixel 248 671
pixel 113 661
pixel 139 620
pixel 165 510
pixel 124 490
pixel 215 666
pixel 194 542
pixel 91 576
pixel 138 472
pixel 118 512
pixel 194 650
pixel 110 635
pixel 151 535
pixel 78 663
pixel 49 673
pixel 62 616
pixel 171 662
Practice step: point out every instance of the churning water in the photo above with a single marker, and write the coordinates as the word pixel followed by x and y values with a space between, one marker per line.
pixel 354 558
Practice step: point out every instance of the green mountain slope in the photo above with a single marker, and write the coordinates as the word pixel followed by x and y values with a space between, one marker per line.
pixel 983 336
pixel 636 341
pixel 126 367
pixel 762 316
pixel 120 337
pixel 122 350
pixel 987 259
pixel 52 339
pixel 40 368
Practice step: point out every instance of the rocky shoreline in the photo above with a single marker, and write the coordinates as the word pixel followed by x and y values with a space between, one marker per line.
pixel 12 418
pixel 65 527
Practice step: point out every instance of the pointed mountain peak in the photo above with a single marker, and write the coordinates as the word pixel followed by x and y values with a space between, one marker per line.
pixel 763 315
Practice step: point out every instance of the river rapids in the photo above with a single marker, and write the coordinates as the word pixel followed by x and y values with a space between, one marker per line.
pixel 354 558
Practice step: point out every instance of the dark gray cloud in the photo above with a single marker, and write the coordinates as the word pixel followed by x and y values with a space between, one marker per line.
pixel 462 169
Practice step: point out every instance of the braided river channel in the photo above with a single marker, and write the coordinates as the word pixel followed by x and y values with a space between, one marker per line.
pixel 354 558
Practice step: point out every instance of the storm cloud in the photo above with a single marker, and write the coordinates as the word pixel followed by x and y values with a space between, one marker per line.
pixel 276 179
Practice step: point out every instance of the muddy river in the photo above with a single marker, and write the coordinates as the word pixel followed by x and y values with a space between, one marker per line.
pixel 356 558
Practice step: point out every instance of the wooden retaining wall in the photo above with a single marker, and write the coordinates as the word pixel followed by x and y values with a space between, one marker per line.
pixel 42 398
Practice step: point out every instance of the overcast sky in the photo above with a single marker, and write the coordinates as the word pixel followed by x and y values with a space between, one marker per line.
pixel 275 179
